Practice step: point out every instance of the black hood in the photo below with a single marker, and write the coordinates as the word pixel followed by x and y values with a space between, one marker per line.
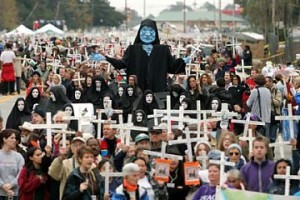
pixel 151 23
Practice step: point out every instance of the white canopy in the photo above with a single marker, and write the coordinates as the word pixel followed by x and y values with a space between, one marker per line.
pixel 49 28
pixel 20 30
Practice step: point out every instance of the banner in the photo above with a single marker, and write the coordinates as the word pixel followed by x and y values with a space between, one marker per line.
pixel 233 194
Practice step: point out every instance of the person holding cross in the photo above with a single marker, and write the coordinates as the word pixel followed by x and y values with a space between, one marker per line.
pixel 258 172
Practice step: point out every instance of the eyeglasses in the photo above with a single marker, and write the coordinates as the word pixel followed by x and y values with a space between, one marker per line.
pixel 234 153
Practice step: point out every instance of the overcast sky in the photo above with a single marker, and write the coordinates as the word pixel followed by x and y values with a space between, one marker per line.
pixel 155 6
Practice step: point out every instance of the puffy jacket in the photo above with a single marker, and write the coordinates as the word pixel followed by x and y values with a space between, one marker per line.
pixel 121 194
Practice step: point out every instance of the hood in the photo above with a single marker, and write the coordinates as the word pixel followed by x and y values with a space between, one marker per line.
pixel 151 23
pixel 59 94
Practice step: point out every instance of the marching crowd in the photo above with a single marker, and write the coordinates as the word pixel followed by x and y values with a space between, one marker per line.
pixel 73 167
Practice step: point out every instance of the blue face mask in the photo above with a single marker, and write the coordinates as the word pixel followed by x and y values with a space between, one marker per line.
pixel 147 35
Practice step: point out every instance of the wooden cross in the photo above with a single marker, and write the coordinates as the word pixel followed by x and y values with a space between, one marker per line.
pixel 250 139
pixel 188 141
pixel 126 128
pixel 64 133
pixel 222 162
pixel 163 153
pixel 107 175
pixel 287 177
pixel 78 79
pixel 291 118
pixel 111 112
pixel 247 122
pixel 243 67
pixel 281 144
pixel 225 114
pixel 99 123
pixel 49 127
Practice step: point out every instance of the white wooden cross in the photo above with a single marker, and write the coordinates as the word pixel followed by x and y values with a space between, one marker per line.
pixel 99 123
pixel 163 153
pixel 250 139
pixel 49 127
pixel 107 175
pixel 111 112
pixel 291 118
pixel 222 162
pixel 64 133
pixel 127 128
pixel 188 141
pixel 225 114
pixel 281 144
pixel 247 122
pixel 287 177
pixel 243 67
pixel 78 79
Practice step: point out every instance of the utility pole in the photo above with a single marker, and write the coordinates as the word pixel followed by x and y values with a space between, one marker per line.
pixel 273 15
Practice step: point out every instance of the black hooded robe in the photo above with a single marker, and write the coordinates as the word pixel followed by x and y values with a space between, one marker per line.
pixel 151 70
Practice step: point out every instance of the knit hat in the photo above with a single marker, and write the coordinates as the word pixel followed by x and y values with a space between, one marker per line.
pixel 140 137
pixel 39 112
pixel 238 147
pixel 214 155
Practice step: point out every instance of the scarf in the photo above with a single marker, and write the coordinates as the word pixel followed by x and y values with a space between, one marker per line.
pixel 129 187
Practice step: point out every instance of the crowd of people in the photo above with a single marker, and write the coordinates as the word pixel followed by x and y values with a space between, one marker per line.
pixel 73 167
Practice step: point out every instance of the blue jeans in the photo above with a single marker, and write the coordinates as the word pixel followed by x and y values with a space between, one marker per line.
pixel 273 132
pixel 5 198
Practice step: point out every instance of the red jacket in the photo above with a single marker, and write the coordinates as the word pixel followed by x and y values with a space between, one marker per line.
pixel 29 183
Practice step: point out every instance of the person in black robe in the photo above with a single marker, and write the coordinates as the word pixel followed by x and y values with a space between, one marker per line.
pixel 96 92
pixel 148 59
pixel 68 108
pixel 128 101
pixel 139 119
pixel 57 100
pixel 35 98
pixel 175 92
pixel 19 114
pixel 77 96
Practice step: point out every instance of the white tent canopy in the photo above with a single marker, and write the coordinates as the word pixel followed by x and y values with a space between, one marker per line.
pixel 49 28
pixel 21 30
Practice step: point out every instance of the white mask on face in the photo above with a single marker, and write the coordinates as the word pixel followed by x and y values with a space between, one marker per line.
pixel 52 96
pixel 120 91
pixel 69 110
pixel 35 93
pixel 130 92
pixel 106 102
pixel 77 95
pixel 98 86
pixel 184 105
pixel 215 105
pixel 149 98
pixel 181 98
pixel 139 117
pixel 21 105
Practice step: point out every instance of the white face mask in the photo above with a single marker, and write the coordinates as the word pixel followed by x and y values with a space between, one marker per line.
pixel 130 92
pixel 215 105
pixel 139 117
pixel 184 105
pixel 35 93
pixel 181 98
pixel 69 110
pixel 106 102
pixel 120 91
pixel 149 98
pixel 52 96
pixel 98 86
pixel 77 95
pixel 21 106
